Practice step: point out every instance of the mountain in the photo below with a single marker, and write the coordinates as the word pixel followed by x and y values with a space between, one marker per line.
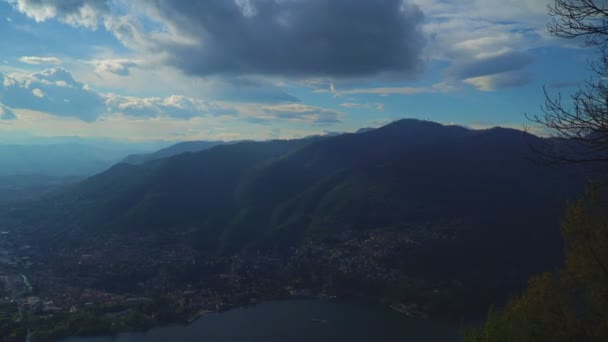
pixel 179 148
pixel 406 170
pixel 471 212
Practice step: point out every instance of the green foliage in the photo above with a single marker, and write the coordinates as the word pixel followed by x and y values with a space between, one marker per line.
pixel 10 327
pixel 569 305
pixel 585 231
pixel 80 323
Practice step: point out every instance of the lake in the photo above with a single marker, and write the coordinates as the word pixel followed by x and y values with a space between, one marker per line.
pixel 317 320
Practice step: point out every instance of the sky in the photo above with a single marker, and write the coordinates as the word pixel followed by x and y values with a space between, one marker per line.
pixel 260 69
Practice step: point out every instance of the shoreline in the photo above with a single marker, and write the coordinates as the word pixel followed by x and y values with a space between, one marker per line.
pixel 202 314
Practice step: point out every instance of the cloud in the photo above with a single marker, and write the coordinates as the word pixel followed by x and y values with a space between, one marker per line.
pixel 242 89
pixel 353 105
pixel 120 67
pixel 499 81
pixel 334 38
pixel 301 112
pixel 79 13
pixel 180 107
pixel 39 60
pixel 37 92
pixel 385 91
pixel 480 38
pixel 6 113
pixel 53 91
pixel 259 121
pixel 491 65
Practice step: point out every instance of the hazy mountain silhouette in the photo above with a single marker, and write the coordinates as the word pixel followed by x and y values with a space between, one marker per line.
pixel 179 148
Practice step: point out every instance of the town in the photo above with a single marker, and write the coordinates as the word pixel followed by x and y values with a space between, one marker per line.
pixel 113 284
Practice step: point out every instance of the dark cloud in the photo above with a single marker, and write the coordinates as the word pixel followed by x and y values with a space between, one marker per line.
pixel 336 38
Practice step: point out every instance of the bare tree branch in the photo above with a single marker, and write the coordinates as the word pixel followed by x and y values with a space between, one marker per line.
pixel 583 122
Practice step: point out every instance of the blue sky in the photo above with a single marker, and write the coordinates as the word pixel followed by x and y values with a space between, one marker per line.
pixel 259 69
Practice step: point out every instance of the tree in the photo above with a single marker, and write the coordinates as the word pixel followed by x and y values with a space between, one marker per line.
pixel 582 126
pixel 569 305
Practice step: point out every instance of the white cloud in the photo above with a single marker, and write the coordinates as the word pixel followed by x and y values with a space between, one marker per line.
pixel 354 105
pixel 499 81
pixel 55 91
pixel 385 91
pixel 120 67
pixel 79 13
pixel 301 112
pixel 39 60
pixel 37 92
pixel 47 90
pixel 466 32
pixel 180 107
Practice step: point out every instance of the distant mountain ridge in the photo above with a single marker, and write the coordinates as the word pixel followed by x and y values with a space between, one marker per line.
pixel 201 145
pixel 182 147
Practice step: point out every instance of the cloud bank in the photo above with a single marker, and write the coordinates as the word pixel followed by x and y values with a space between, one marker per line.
pixel 54 91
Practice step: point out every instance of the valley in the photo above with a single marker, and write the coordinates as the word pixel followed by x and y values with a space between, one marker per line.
pixel 368 215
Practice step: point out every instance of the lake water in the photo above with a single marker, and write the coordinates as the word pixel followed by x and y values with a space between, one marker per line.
pixel 317 320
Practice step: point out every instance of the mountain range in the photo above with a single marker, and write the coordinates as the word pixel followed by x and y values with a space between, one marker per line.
pixel 404 171
pixel 475 203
